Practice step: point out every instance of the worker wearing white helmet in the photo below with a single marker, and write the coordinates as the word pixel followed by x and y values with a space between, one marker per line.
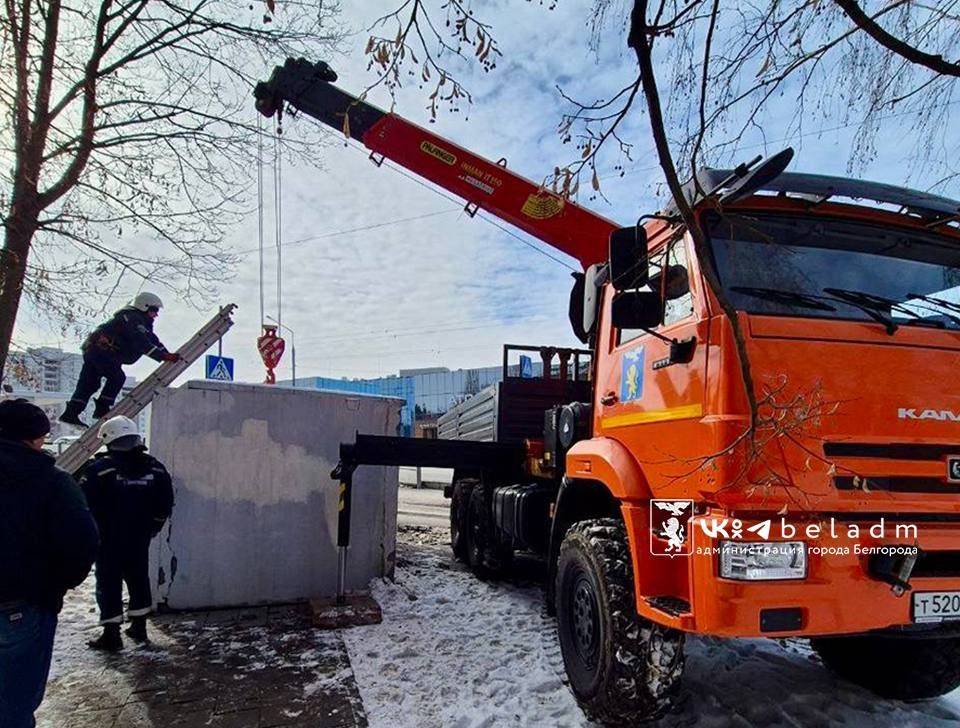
pixel 145 301
pixel 121 340
pixel 120 433
pixel 130 495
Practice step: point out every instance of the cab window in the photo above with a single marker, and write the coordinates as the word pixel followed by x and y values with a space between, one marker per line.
pixel 678 304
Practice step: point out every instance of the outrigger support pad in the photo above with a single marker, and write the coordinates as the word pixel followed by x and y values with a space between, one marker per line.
pixel 344 610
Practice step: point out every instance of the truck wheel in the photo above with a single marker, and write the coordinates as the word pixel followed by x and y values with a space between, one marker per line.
pixel 623 669
pixel 894 666
pixel 459 501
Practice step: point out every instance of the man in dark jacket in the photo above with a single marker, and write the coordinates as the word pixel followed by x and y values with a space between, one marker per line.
pixel 121 340
pixel 131 497
pixel 48 541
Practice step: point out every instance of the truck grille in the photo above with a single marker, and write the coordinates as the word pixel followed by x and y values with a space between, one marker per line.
pixel 937 564
pixel 898 484
pixel 891 451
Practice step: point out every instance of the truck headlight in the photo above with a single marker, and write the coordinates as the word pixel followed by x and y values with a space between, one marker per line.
pixel 762 560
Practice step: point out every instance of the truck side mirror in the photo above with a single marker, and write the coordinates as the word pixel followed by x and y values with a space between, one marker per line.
pixel 637 310
pixel 576 310
pixel 628 258
pixel 585 300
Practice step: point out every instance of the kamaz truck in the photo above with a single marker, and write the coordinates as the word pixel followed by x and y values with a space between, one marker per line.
pixel 661 502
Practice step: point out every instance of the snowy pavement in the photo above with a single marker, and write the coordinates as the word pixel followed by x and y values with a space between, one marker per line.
pixel 455 651
pixel 451 651
pixel 241 668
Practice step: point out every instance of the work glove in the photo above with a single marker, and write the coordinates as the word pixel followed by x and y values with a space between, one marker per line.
pixel 172 356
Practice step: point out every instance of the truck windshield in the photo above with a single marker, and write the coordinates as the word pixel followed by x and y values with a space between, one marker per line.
pixel 803 266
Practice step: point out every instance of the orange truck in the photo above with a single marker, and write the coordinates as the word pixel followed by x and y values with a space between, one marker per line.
pixel 657 509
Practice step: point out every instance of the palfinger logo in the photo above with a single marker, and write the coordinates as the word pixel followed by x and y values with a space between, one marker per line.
pixel 670 527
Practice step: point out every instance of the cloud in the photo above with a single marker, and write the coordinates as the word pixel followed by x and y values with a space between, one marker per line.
pixel 431 286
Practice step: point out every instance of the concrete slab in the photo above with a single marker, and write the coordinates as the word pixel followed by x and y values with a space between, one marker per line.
pixel 256 509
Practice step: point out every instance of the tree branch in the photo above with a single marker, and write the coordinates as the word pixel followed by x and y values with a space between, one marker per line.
pixel 88 115
pixel 640 40
pixel 935 63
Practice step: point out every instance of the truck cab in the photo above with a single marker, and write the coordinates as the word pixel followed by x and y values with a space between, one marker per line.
pixel 836 513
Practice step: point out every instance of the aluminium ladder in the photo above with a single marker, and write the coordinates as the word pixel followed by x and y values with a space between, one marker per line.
pixel 140 396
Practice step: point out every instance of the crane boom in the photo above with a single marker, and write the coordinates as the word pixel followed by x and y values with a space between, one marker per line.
pixel 485 185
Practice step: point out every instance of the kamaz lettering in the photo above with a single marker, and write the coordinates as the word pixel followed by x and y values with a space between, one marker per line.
pixel 928 414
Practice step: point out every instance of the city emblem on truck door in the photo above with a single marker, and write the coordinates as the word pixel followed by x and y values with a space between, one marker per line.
pixel 631 375
pixel 670 527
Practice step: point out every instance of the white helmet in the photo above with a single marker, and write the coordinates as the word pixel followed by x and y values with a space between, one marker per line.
pixel 117 427
pixel 146 300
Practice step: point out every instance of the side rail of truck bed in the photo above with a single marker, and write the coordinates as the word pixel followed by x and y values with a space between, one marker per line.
pixel 513 409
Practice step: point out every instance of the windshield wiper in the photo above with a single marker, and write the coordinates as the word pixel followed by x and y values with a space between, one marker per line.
pixel 948 305
pixel 879 308
pixel 876 307
pixel 787 298
pixel 883 303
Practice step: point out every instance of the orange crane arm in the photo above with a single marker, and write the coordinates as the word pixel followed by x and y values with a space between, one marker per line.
pixel 484 185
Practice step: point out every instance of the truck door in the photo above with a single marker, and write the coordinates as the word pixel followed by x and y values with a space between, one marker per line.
pixel 648 401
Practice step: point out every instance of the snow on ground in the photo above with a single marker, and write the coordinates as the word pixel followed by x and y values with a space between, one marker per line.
pixel 457 652
pixel 781 683
pixel 454 651
pixel 242 668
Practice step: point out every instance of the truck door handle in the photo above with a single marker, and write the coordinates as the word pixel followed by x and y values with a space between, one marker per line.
pixel 681 352
pixel 609 398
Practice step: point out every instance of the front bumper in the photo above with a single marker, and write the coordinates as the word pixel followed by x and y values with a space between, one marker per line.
pixel 839 595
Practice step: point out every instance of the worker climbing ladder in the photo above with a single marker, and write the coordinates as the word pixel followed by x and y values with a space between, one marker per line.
pixel 140 396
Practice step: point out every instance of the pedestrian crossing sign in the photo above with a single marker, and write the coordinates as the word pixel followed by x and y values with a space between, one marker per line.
pixel 219 368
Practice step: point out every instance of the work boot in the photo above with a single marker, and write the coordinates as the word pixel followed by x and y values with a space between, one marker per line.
pixel 71 415
pixel 101 408
pixel 137 631
pixel 109 641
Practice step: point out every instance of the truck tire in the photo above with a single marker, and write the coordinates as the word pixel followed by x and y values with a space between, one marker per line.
pixel 459 500
pixel 894 666
pixel 623 669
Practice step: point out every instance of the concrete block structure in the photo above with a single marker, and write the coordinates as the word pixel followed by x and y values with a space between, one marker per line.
pixel 255 516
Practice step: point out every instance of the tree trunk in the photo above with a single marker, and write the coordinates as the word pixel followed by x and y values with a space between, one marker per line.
pixel 13 268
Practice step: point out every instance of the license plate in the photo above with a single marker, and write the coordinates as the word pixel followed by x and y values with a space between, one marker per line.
pixel 936 606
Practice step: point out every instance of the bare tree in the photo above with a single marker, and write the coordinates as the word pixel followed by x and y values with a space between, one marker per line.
pixel 726 67
pixel 128 137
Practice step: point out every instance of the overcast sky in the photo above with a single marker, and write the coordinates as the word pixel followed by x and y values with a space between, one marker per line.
pixel 423 284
